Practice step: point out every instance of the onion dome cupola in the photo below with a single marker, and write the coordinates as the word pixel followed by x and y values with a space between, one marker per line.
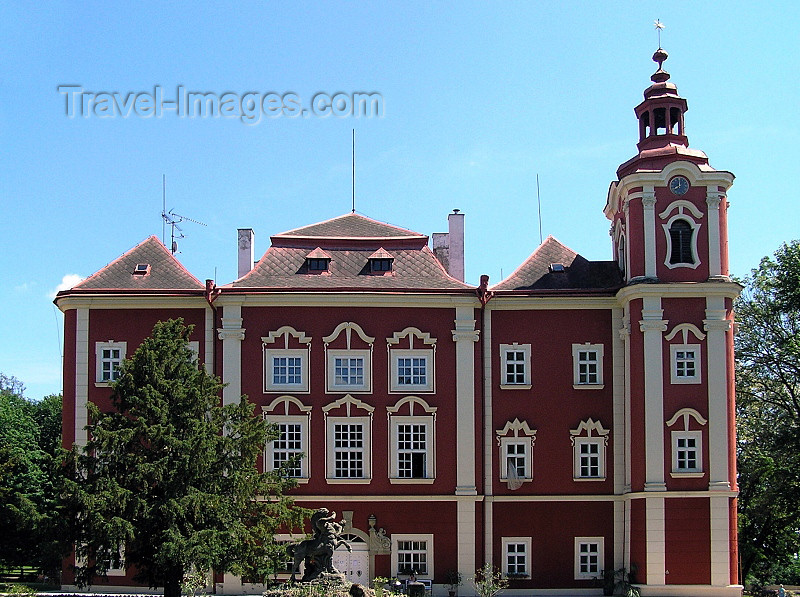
pixel 662 133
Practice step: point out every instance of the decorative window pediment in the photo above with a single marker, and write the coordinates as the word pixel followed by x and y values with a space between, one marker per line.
pixel 516 440
pixel 286 353
pixel 348 369
pixel 411 361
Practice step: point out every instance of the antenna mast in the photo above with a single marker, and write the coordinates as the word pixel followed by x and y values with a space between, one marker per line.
pixel 354 171
pixel 539 200
pixel 173 220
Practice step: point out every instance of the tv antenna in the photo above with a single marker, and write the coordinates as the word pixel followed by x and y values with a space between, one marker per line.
pixel 171 219
pixel 354 172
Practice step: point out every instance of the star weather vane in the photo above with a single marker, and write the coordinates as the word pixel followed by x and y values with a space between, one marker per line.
pixel 659 26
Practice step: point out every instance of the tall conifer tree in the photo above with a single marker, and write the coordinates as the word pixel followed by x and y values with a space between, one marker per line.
pixel 168 481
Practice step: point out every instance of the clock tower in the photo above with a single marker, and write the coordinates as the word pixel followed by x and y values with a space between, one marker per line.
pixel 668 212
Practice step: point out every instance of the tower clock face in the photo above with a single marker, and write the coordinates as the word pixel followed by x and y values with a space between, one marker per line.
pixel 679 185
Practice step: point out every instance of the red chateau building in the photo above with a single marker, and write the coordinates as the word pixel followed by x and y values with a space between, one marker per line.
pixel 574 418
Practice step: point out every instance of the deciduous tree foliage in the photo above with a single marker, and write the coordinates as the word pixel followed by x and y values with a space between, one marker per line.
pixel 168 479
pixel 31 525
pixel 768 419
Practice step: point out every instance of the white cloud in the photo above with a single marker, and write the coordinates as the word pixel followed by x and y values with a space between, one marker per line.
pixel 67 282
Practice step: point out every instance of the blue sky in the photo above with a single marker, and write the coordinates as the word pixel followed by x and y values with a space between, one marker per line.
pixel 478 98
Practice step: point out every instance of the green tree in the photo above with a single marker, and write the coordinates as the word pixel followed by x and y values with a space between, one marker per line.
pixel 31 523
pixel 768 418
pixel 168 480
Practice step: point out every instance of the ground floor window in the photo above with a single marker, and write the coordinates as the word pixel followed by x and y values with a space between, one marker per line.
pixel 516 554
pixel 412 554
pixel 588 557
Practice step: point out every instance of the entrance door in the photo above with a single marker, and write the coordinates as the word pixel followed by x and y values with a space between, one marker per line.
pixel 353 564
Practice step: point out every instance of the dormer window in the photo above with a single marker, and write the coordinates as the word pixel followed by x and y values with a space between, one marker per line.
pixel 141 269
pixel 380 261
pixel 317 261
pixel 318 265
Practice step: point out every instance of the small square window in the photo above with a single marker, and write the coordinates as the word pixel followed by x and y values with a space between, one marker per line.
pixel 380 265
pixel 516 556
pixel 515 373
pixel 286 370
pixel 349 371
pixel 687 455
pixel 587 366
pixel 685 366
pixel 411 371
pixel 412 554
pixel 317 265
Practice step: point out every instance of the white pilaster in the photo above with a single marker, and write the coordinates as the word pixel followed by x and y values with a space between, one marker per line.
pixel 465 336
pixel 488 440
pixel 81 375
pixel 208 357
pixel 720 541
pixel 467 540
pixel 656 541
pixel 231 333
pixel 717 326
pixel 713 198
pixel 649 223
pixel 653 326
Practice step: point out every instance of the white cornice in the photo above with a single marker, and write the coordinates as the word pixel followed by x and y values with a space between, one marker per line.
pixel 679 290
pixel 517 302
pixel 349 299
pixel 115 301
pixel 696 176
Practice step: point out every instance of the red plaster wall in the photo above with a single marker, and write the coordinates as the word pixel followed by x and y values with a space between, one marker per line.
pixel 380 323
pixel 132 326
pixel 68 402
pixel 552 406
pixel 553 527
pixel 638 546
pixel 635 235
pixel 688 541
pixel 697 196
pixel 405 517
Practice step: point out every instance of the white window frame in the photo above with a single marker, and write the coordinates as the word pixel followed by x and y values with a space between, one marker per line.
pixel 302 387
pixel 430 452
pixel 577 349
pixel 271 415
pixel 525 349
pixel 600 564
pixel 516 542
pixel 284 334
pixel 684 379
pixel 362 388
pixel 398 539
pixel 697 436
pixel 99 360
pixel 527 443
pixel 366 449
pixel 688 212
pixel 394 381
pixel 600 442
pixel 269 451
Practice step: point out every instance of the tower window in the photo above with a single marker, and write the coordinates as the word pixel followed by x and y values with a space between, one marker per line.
pixel 675 120
pixel 680 233
pixel 660 120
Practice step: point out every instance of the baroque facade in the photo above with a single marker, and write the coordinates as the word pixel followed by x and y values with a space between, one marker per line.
pixel 576 417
